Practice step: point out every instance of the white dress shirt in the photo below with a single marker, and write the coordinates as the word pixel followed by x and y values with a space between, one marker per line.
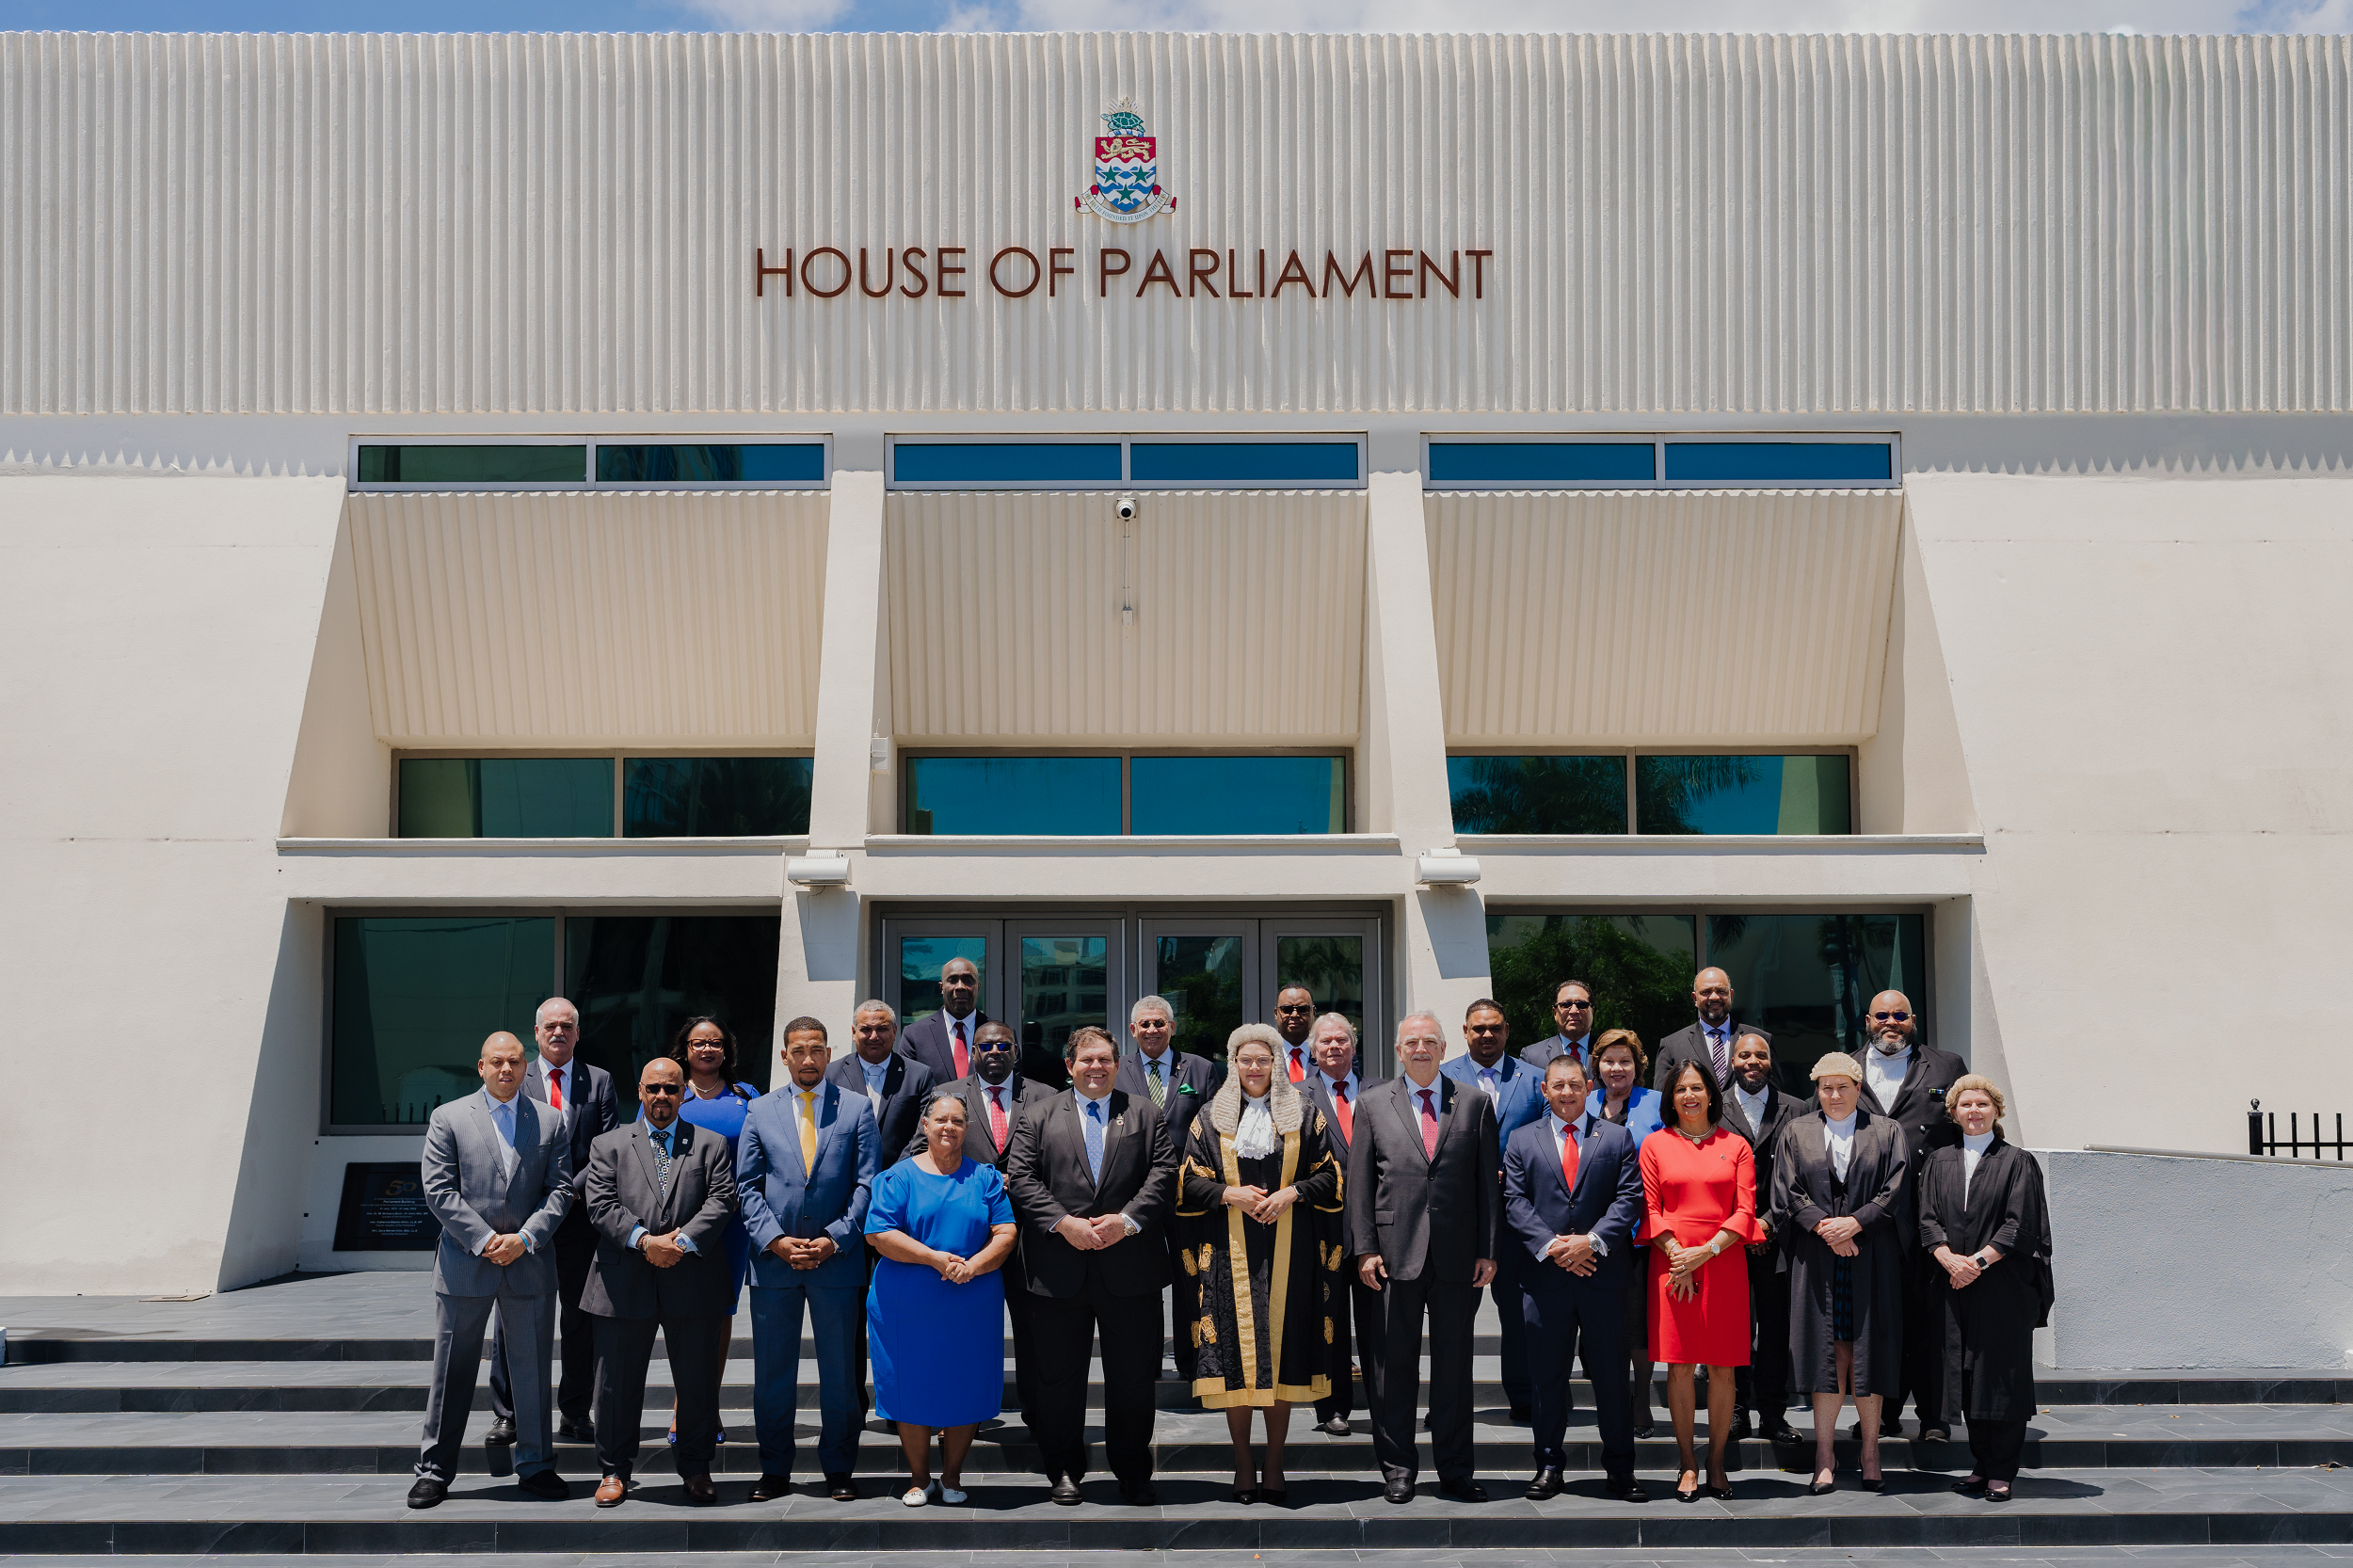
pixel 1838 1138
pixel 1885 1073
pixel 1973 1148
pixel 1560 1136
pixel 877 1073
pixel 1752 1106
pixel 1332 1086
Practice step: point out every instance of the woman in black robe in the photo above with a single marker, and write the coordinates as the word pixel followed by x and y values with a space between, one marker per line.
pixel 1840 1206
pixel 1261 1206
pixel 1984 1219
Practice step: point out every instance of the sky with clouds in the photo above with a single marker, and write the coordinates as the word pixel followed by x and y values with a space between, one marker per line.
pixel 1778 16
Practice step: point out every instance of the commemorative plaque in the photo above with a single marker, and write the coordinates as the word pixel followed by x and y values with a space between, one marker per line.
pixel 383 1210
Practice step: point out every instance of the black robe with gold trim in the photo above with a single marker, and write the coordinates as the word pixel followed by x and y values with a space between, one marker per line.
pixel 1268 1293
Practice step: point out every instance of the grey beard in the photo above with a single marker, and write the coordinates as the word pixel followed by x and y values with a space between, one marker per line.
pixel 1879 1043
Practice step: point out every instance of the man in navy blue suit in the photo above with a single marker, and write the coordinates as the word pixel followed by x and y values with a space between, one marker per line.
pixel 1515 1089
pixel 804 1168
pixel 1572 1196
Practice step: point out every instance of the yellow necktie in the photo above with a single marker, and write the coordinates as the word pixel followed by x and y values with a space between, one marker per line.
pixel 808 1130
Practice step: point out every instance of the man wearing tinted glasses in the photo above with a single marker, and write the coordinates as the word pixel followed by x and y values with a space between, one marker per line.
pixel 1907 1083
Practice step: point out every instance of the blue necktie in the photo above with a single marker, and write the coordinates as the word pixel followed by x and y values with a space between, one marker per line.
pixel 1095 1139
pixel 502 1117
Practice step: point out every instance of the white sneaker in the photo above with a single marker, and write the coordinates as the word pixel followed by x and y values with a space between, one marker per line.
pixel 915 1497
pixel 948 1494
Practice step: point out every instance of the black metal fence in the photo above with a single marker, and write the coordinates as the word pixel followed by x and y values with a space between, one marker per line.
pixel 2262 1134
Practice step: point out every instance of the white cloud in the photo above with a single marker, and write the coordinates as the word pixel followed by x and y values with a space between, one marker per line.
pixel 772 16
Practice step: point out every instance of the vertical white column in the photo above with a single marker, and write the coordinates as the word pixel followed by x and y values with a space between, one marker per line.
pixel 819 961
pixel 1443 930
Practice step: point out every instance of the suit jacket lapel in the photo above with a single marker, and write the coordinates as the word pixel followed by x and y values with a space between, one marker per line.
pixel 642 1140
pixel 1111 1133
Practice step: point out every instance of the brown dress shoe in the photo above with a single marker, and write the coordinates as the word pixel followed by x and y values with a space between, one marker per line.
pixel 611 1490
pixel 699 1490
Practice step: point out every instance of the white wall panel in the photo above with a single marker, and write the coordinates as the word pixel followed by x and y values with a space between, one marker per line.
pixel 1005 621
pixel 556 619
pixel 555 222
pixel 1663 615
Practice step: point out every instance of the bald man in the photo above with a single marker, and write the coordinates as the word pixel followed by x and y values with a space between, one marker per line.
pixel 1907 1081
pixel 1709 1038
pixel 498 1174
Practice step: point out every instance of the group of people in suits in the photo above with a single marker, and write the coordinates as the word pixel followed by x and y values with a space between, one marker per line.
pixel 911 1198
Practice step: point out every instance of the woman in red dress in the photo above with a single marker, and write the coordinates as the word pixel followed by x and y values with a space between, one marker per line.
pixel 1699 1187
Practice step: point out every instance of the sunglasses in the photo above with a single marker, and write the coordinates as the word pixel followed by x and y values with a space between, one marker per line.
pixel 1893 1018
pixel 660 1089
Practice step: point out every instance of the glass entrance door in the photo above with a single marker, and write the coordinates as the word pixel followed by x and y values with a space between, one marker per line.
pixel 1338 960
pixel 1208 971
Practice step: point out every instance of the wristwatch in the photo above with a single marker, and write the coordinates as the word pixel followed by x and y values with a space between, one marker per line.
pixel 1981 1259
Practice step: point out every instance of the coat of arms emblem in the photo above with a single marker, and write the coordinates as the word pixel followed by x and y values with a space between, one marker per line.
pixel 1127 186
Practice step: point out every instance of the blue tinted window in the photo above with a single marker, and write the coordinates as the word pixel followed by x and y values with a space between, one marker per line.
pixel 1242 462
pixel 1005 463
pixel 713 797
pixel 414 998
pixel 1778 462
pixel 780 463
pixel 1237 794
pixel 1742 794
pixel 472 465
pixel 1541 462
pixel 1537 794
pixel 506 797
pixel 1028 795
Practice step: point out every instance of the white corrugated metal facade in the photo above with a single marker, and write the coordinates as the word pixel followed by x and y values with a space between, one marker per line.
pixel 537 223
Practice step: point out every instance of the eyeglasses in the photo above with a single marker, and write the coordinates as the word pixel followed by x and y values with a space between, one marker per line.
pixel 1572 1006
pixel 1892 1017
pixel 1297 1007
pixel 660 1089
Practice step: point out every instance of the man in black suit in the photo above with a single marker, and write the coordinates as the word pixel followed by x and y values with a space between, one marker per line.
pixel 1335 1089
pixel 1572 1197
pixel 943 1042
pixel 1178 1085
pixel 1757 1111
pixel 583 1095
pixel 1708 1040
pixel 1573 1028
pixel 895 1086
pixel 997 1098
pixel 1424 1196
pixel 1907 1083
pixel 660 1192
pixel 1093 1181
pixel 1295 1022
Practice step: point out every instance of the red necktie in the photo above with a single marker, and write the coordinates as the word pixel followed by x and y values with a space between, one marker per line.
pixel 1347 1111
pixel 1568 1159
pixel 555 1088
pixel 1429 1125
pixel 997 1118
pixel 1298 1066
pixel 964 1054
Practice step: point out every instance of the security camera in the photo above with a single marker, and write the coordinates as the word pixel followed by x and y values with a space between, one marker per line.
pixel 1127 508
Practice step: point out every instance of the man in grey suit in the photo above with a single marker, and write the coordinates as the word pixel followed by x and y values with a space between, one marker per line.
pixel 804 1168
pixel 498 1174
pixel 660 1192
pixel 581 1094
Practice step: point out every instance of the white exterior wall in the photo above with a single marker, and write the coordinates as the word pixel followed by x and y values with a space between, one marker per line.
pixel 2102 289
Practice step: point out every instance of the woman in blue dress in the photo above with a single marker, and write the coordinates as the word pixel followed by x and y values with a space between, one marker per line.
pixel 715 1101
pixel 935 1312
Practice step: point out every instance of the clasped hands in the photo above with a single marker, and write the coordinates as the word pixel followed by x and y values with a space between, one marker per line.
pixel 1091 1235
pixel 1682 1263
pixel 662 1252
pixel 1839 1234
pixel 804 1253
pixel 1576 1254
pixel 1260 1204
pixel 504 1250
pixel 1963 1272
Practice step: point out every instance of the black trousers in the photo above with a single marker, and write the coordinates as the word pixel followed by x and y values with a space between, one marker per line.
pixel 1763 1385
pixel 1560 1313
pixel 1066 1329
pixel 576 1342
pixel 1396 1382
pixel 1994 1447
pixel 1634 1367
pixel 1510 1322
pixel 1024 1344
pixel 1356 1333
pixel 624 1351
pixel 1924 1345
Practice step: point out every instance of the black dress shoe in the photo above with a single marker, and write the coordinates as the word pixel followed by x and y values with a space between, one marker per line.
pixel 1642 1426
pixel 769 1487
pixel 1873 1483
pixel 1783 1434
pixel 1740 1427
pixel 1337 1427
pixel 1822 1488
pixel 427 1492
pixel 1397 1489
pixel 501 1432
pixel 1970 1486
pixel 1463 1491
pixel 1275 1497
pixel 1721 1493
pixel 1065 1491
pixel 1246 1495
pixel 1139 1495
pixel 576 1432
pixel 1626 1491
pixel 545 1485
pixel 1521 1415
pixel 1546 1483
pixel 840 1487
pixel 1936 1434
pixel 1690 1496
